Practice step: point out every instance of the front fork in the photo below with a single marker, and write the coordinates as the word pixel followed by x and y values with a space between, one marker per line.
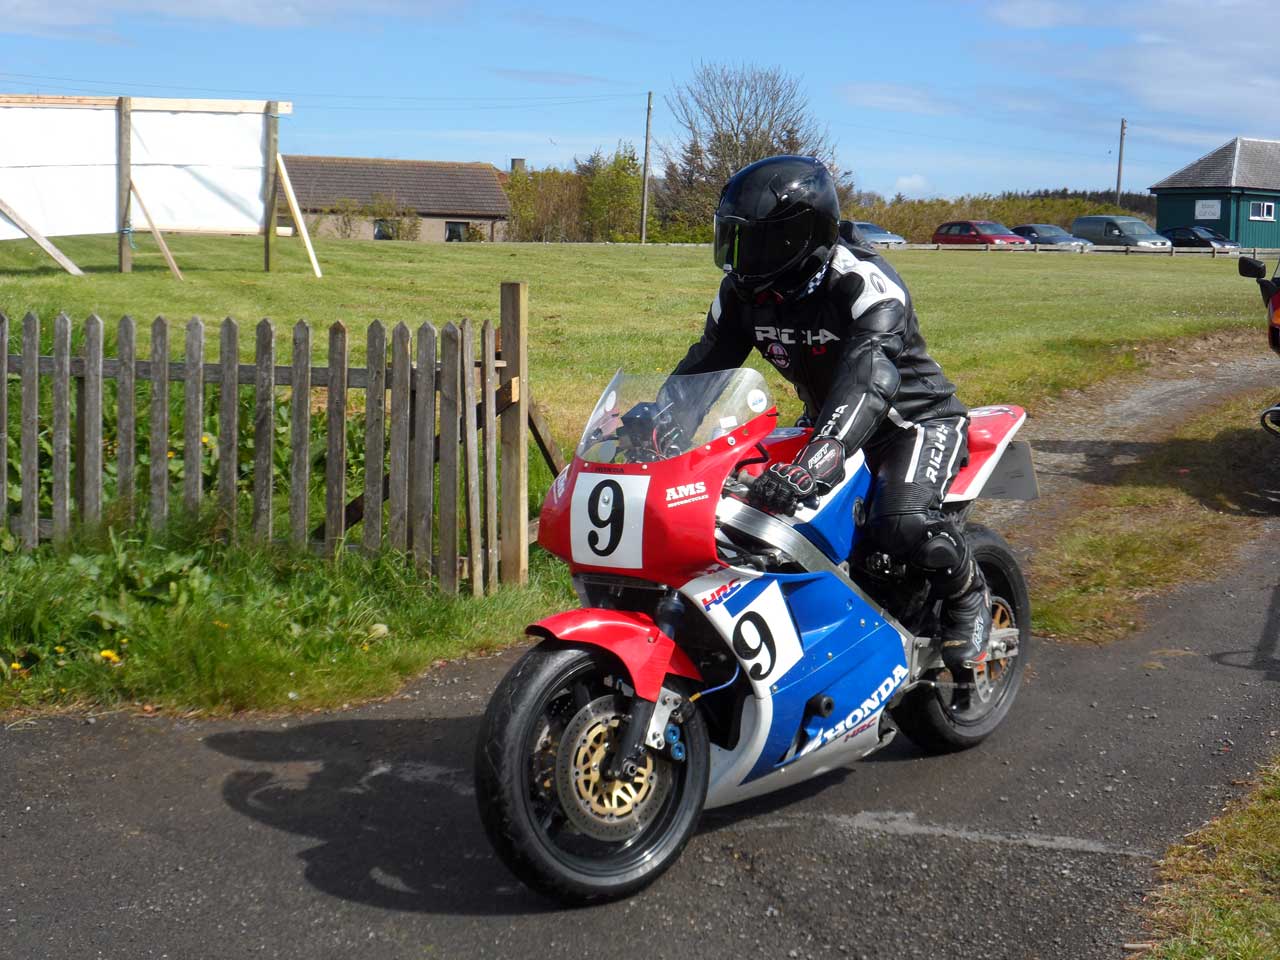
pixel 650 723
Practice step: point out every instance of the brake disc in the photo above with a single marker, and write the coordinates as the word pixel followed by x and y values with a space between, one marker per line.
pixel 604 808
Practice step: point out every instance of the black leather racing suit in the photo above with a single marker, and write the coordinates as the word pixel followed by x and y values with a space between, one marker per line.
pixel 852 348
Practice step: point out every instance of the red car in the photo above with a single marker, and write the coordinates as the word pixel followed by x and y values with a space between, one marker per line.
pixel 978 231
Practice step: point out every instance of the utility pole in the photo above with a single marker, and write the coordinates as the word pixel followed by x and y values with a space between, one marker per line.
pixel 1120 160
pixel 644 177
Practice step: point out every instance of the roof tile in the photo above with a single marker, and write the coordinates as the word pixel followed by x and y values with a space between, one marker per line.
pixel 1245 163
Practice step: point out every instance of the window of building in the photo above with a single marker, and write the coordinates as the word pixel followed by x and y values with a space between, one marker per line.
pixel 1259 210
pixel 455 230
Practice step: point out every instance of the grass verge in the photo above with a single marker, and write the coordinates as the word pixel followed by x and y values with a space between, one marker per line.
pixel 1166 519
pixel 1220 898
pixel 177 621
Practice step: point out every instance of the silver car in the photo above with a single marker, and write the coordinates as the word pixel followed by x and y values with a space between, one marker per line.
pixel 867 232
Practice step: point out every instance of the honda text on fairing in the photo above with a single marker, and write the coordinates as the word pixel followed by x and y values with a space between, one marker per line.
pixel 722 651
pixel 1270 290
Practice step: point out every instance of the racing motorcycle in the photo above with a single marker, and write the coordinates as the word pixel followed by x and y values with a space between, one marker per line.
pixel 721 651
pixel 1270 289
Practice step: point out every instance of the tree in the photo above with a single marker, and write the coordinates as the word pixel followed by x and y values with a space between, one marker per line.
pixel 611 200
pixel 730 116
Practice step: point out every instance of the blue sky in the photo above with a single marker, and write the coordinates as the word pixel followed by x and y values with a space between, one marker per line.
pixel 931 98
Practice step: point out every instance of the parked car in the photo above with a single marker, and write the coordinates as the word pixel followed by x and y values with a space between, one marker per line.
pixel 871 233
pixel 1118 232
pixel 1050 235
pixel 977 231
pixel 1205 237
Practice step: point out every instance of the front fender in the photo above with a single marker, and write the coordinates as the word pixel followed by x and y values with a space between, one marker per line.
pixel 647 653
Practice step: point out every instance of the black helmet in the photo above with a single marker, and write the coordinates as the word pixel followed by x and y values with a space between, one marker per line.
pixel 777 224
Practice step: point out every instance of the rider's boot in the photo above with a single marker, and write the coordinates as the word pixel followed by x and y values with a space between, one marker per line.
pixel 966 619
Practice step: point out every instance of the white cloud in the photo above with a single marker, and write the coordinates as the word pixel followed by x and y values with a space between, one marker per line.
pixel 1035 14
pixel 912 185
pixel 896 98
pixel 98 17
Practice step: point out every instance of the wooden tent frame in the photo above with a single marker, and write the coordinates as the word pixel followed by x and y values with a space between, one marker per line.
pixel 274 173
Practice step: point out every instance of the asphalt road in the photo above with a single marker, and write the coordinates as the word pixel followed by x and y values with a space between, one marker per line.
pixel 355 833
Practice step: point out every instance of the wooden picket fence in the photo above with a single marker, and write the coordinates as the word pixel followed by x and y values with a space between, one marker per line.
pixel 480 404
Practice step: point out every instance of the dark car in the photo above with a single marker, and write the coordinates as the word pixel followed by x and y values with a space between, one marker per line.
pixel 978 231
pixel 1050 234
pixel 1205 237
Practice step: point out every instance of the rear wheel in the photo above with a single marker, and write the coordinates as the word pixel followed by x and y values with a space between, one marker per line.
pixel 562 826
pixel 951 713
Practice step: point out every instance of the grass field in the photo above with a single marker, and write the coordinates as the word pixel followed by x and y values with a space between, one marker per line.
pixel 1007 327
pixel 1013 327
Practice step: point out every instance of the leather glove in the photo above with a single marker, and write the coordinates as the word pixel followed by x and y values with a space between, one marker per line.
pixel 824 459
pixel 781 488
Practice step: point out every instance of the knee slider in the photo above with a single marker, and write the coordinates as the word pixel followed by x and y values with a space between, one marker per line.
pixel 939 551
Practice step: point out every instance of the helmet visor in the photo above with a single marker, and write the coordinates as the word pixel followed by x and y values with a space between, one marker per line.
pixel 761 249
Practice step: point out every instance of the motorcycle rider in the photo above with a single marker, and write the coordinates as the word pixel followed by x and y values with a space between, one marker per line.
pixel 836 320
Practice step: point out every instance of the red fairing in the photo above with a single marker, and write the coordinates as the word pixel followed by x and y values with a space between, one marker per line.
pixel 990 430
pixel 1273 330
pixel 653 521
pixel 647 653
pixel 783 446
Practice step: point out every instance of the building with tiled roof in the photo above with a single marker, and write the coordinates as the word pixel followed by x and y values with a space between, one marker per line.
pixel 1234 189
pixel 451 200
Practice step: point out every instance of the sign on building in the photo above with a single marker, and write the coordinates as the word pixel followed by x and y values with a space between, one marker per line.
pixel 1208 209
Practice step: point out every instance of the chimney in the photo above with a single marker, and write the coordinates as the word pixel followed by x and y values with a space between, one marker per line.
pixel 517 164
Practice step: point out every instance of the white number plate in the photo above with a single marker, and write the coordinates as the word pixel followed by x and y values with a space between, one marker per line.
pixel 606 520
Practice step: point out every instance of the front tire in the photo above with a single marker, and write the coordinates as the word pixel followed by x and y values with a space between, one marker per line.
pixel 942 721
pixel 557 824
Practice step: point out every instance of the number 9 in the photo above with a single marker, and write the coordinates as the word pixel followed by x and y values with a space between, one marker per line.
pixel 752 627
pixel 605 509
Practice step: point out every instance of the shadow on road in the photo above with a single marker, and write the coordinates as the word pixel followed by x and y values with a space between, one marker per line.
pixel 394 809
pixel 1236 472
pixel 392 804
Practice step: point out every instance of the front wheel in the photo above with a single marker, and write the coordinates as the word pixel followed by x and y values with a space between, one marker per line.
pixel 555 820
pixel 941 715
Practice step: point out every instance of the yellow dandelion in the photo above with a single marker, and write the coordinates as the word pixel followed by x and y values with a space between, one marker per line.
pixel 15 666
pixel 205 438
pixel 364 647
pixel 59 649
pixel 124 641
pixel 110 656
pixel 170 454
pixel 220 625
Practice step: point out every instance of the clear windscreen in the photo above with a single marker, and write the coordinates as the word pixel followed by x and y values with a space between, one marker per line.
pixel 642 418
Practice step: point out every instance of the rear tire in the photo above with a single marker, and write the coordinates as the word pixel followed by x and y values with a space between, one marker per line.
pixel 926 714
pixel 565 831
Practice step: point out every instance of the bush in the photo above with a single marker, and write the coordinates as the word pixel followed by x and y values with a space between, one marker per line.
pixel 346 215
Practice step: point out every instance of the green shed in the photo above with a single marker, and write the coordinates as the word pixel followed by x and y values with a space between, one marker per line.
pixel 1234 190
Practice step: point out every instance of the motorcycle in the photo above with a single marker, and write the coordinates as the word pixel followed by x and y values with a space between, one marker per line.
pixel 722 652
pixel 1270 289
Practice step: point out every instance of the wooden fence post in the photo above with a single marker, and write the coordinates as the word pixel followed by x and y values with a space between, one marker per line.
pixel 336 457
pixel 300 435
pixel 159 423
pixel 375 403
pixel 124 177
pixel 4 423
pixel 193 426
pixel 515 435
pixel 398 500
pixel 229 424
pixel 61 427
pixel 263 429
pixel 422 492
pixel 30 432
pixel 450 388
pixel 91 423
pixel 127 417
pixel 470 443
pixel 270 184
pixel 488 390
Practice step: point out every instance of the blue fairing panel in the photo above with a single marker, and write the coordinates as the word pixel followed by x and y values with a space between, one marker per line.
pixel 849 654
pixel 832 529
